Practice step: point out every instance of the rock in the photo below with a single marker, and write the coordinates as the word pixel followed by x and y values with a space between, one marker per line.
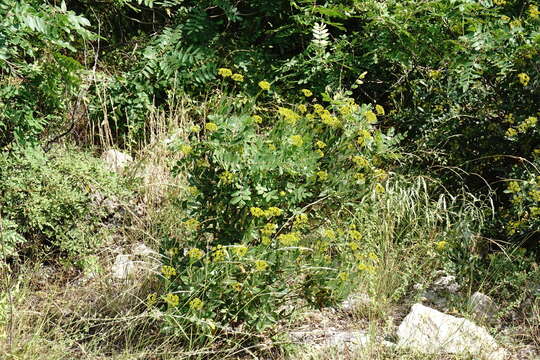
pixel 116 160
pixel 356 302
pixel 482 306
pixel 123 267
pixel 446 283
pixel 140 249
pixel 430 331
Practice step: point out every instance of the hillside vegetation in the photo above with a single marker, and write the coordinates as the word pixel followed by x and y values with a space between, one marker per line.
pixel 197 179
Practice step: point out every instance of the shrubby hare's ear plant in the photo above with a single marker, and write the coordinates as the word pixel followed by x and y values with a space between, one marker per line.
pixel 259 182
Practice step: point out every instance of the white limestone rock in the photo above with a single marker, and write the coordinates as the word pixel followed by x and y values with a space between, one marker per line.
pixel 116 160
pixel 123 267
pixel 432 332
pixel 482 306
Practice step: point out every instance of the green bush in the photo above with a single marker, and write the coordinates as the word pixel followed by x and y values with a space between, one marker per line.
pixel 259 179
pixel 46 205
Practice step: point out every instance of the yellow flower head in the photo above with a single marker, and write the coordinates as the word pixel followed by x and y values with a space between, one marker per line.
pixel 441 245
pixel 322 175
pixel 265 240
pixel 379 189
pixel 306 92
pixel 261 265
pixel 224 72
pixel 513 187
pixel 256 211
pixel 168 271
pixel 192 224
pixel 319 152
pixel 329 233
pixel 499 2
pixel 240 250
pixel 355 234
pixel 226 177
pixel 237 77
pixel 256 119
pixel 523 79
pixel 379 109
pixel 289 239
pixel 511 132
pixel 195 254
pixel 237 286
pixel 195 128
pixel 269 229
pixel 151 299
pixel 265 85
pixel 219 254
pixel 210 126
pixel 273 211
pixel 172 300
pixel 320 144
pixel 289 115
pixel 302 108
pixel 360 161
pixel 185 149
pixel 196 304
pixel 296 140
pixel 533 11
pixel 300 220
pixel 370 117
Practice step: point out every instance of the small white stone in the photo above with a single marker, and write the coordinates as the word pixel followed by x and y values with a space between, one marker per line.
pixel 483 306
pixel 123 267
pixel 116 160
pixel 430 331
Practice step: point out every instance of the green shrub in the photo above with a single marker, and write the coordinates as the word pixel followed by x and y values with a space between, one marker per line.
pixel 260 179
pixel 46 203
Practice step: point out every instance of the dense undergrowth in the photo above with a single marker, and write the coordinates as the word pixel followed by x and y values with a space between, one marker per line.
pixel 287 155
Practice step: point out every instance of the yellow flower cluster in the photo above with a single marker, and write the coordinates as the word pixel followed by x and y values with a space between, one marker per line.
pixel 328 119
pixel 306 92
pixel 196 304
pixel 370 116
pixel 185 149
pixel 343 276
pixel 379 189
pixel 523 79
pixel 300 220
pixel 289 239
pixel 322 175
pixel 226 177
pixel 302 108
pixel 224 72
pixel 527 123
pixel 168 271
pixel 257 119
pixel 192 224
pixel 195 254
pixel 533 11
pixel 360 161
pixel 441 245
pixel 366 268
pixel 355 234
pixel 151 299
pixel 499 2
pixel 210 126
pixel 240 250
pixel 219 253
pixel 237 77
pixel 289 115
pixel 269 229
pixel 261 265
pixel 193 190
pixel 268 213
pixel 265 85
pixel 194 128
pixel 296 140
pixel 363 137
pixel 379 109
pixel 320 144
pixel 237 286
pixel 513 187
pixel 329 233
pixel 172 300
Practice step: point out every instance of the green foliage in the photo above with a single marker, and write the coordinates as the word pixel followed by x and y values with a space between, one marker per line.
pixel 257 186
pixel 37 79
pixel 46 204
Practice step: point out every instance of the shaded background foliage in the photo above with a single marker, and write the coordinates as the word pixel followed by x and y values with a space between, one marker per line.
pixel 447 69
